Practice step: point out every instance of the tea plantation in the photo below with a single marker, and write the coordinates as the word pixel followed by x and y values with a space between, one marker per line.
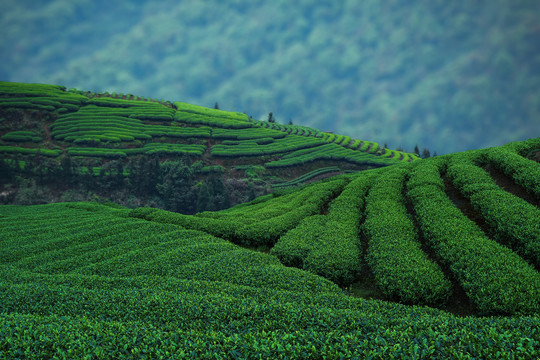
pixel 71 145
pixel 119 125
pixel 86 280
pixel 430 259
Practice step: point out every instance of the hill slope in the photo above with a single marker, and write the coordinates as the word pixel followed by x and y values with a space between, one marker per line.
pixel 84 278
pixel 108 139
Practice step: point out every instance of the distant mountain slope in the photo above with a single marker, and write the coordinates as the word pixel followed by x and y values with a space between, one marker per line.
pixel 107 134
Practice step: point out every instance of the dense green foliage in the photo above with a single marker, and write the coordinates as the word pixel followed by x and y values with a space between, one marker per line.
pixel 494 278
pixel 21 136
pixel 24 150
pixel 307 176
pixel 260 223
pixel 513 221
pixel 410 277
pixel 68 290
pixel 511 161
pixel 329 245
pixel 86 279
pixel 102 135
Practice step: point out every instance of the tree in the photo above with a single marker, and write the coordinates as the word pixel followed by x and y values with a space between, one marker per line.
pixel 6 173
pixel 251 194
pixel 416 150
pixel 67 168
pixel 220 195
pixel 176 187
pixel 216 105
pixel 271 118
pixel 205 199
pixel 425 153
pixel 290 122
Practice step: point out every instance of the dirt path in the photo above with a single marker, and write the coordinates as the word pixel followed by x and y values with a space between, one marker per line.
pixel 506 183
pixel 47 132
pixel 459 303
pixel 49 137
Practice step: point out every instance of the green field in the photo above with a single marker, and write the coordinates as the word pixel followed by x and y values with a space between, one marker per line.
pixel 85 279
pixel 60 132
pixel 101 121
pixel 425 259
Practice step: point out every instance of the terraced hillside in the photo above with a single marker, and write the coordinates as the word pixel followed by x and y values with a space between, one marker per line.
pixel 426 259
pixel 336 269
pixel 112 132
pixel 458 233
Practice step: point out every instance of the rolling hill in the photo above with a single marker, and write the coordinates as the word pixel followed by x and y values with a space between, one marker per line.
pixel 447 242
pixel 434 258
pixel 105 141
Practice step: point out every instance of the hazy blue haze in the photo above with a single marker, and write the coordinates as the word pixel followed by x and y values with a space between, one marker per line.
pixel 449 76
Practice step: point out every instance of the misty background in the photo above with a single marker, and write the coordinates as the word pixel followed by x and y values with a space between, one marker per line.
pixel 449 76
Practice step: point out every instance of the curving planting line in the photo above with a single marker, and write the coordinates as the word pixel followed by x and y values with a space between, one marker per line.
pixel 402 270
pixel 495 279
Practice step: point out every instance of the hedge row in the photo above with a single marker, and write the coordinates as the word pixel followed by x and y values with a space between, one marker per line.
pixel 274 219
pixel 215 122
pixel 21 136
pixel 121 103
pixel 142 110
pixel 402 270
pixel 177 131
pixel 307 176
pixel 217 326
pixel 259 141
pixel 213 169
pixel 512 220
pixel 329 245
pixel 133 247
pixel 369 146
pixel 247 134
pixel 105 124
pixel 495 279
pixel 10 90
pixel 150 148
pixel 39 97
pixel 282 313
pixel 525 172
pixel 164 148
pixel 213 113
pixel 337 255
pixel 87 127
pixel 22 89
pixel 345 141
pixel 291 129
pixel 355 144
pixel 293 248
pixel 251 148
pixel 21 150
pixel 328 152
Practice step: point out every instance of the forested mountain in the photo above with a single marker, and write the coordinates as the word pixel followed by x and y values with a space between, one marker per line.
pixel 448 76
